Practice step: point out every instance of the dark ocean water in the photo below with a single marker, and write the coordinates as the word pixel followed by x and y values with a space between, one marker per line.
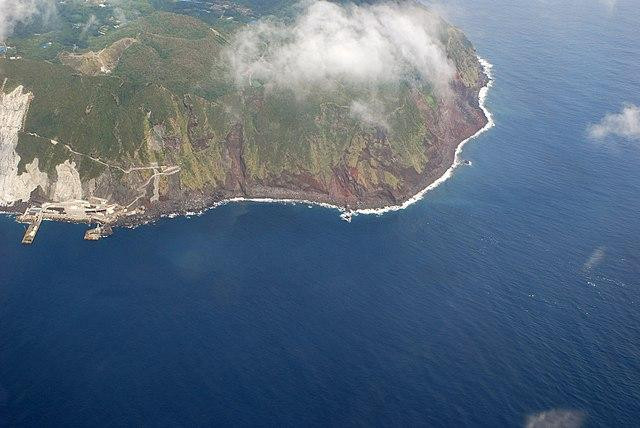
pixel 512 289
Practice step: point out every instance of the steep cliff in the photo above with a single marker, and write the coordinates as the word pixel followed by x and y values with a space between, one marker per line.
pixel 158 116
pixel 16 186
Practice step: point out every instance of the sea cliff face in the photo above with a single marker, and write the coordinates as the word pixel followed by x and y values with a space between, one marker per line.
pixel 167 129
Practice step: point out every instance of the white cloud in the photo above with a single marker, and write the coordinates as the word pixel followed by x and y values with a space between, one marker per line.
pixel 556 418
pixel 122 11
pixel 89 25
pixel 371 113
pixel 13 12
pixel 624 124
pixel 610 4
pixel 366 44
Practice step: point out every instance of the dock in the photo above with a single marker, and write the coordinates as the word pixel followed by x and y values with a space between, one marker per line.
pixel 32 230
pixel 95 210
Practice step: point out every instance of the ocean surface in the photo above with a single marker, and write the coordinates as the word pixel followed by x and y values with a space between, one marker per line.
pixel 511 289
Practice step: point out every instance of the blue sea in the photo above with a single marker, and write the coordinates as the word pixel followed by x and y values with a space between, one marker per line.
pixel 510 290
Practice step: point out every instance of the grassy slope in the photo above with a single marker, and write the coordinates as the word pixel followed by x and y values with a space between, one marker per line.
pixel 175 76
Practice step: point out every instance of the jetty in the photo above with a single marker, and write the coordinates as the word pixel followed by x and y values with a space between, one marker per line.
pixel 95 210
pixel 32 230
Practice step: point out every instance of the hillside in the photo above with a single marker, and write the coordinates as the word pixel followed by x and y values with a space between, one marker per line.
pixel 154 116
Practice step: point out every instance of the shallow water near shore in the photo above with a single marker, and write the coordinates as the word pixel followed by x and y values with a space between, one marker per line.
pixel 509 290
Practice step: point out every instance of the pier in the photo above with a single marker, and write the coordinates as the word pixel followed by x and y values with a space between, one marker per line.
pixel 32 230
pixel 95 210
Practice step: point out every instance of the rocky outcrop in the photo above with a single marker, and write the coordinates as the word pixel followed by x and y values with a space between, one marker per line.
pixel 68 185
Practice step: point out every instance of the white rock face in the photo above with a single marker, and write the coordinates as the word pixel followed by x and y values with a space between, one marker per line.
pixel 13 186
pixel 68 186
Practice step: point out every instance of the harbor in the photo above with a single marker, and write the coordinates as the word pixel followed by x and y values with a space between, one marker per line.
pixel 93 211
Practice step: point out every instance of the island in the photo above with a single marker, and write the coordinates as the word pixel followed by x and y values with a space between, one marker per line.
pixel 118 113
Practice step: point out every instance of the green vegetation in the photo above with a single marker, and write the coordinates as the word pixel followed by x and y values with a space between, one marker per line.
pixel 75 26
pixel 48 154
pixel 169 98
